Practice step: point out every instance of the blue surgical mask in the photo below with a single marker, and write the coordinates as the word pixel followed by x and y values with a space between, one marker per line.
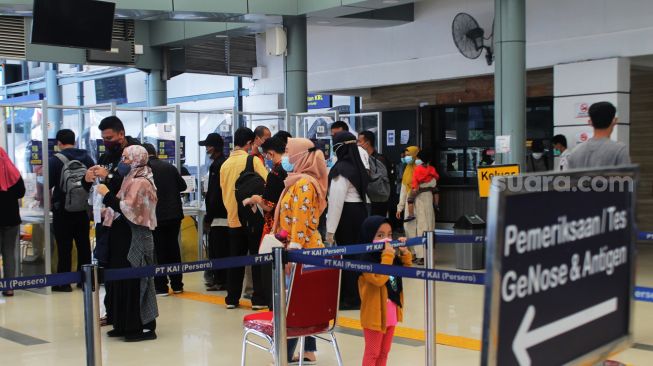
pixel 408 159
pixel 419 162
pixel 269 164
pixel 287 165
pixel 556 152
pixel 124 169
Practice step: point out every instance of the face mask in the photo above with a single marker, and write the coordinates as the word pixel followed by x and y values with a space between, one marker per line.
pixel 287 165
pixel 408 159
pixel 556 152
pixel 379 241
pixel 269 164
pixel 260 150
pixel 112 145
pixel 124 169
pixel 419 162
pixel 537 155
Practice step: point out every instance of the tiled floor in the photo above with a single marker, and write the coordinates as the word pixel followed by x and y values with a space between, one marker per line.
pixel 194 329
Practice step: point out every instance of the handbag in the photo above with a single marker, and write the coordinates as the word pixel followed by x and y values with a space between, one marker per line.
pixel 269 241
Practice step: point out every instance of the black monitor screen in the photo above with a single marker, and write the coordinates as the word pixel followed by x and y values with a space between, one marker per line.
pixel 73 23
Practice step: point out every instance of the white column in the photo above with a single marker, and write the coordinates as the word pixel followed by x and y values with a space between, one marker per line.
pixel 577 85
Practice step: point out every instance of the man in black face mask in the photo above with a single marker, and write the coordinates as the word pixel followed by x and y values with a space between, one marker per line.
pixel 115 141
pixel 215 221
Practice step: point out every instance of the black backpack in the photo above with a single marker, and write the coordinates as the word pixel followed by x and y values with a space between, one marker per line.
pixel 249 183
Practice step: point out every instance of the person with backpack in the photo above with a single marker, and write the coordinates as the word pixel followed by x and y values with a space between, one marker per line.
pixel 380 187
pixel 243 176
pixel 70 218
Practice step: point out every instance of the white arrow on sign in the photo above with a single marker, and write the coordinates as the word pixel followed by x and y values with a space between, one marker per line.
pixel 525 339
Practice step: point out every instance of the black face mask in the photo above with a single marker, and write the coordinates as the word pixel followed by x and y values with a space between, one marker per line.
pixel 112 146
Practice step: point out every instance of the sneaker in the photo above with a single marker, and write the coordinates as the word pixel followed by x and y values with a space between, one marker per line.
pixel 162 294
pixel 8 293
pixel 178 291
pixel 409 219
pixel 143 336
pixel 63 288
pixel 259 307
pixel 231 306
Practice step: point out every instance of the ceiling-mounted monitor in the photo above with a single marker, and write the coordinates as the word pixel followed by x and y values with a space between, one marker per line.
pixel 73 23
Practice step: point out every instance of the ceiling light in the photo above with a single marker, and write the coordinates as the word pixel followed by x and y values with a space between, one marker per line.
pixel 221 36
pixel 323 22
pixel 390 2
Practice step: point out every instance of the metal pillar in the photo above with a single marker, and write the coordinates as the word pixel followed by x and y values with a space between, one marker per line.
pixel 92 315
pixel 157 95
pixel 510 77
pixel 80 100
pixel 279 307
pixel 296 86
pixel 429 300
pixel 53 95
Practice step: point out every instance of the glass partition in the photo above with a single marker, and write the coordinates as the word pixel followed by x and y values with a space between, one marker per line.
pixel 315 127
pixel 275 121
pixel 26 131
pixel 366 122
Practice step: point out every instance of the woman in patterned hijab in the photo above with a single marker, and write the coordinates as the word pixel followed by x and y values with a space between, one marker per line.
pixel 132 302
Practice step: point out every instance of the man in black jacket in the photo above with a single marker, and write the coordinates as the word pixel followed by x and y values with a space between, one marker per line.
pixel 106 170
pixel 169 213
pixel 215 221
pixel 68 226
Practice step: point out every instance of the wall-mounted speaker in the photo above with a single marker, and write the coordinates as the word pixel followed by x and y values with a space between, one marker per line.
pixel 275 41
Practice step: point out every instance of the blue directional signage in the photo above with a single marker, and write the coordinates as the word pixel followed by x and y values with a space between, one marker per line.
pixel 318 101
pixel 560 268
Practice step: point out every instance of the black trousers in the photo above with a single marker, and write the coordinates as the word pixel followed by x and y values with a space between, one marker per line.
pixel 243 241
pixel 69 226
pixel 166 248
pixel 379 209
pixel 347 233
pixel 219 247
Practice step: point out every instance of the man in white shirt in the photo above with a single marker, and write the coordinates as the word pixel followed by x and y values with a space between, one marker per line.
pixel 560 150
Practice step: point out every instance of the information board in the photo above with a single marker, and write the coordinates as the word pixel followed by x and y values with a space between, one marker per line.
pixel 36 154
pixel 560 267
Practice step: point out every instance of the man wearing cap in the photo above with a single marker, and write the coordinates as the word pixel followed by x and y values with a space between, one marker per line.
pixel 215 221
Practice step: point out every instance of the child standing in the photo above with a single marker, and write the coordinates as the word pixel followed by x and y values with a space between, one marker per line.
pixel 381 295
pixel 424 178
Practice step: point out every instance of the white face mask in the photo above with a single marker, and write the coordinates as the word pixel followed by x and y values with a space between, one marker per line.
pixel 537 155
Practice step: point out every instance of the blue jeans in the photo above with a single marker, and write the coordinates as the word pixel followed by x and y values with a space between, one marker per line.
pixel 309 346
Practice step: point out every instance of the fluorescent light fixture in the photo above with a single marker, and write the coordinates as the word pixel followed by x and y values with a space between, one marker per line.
pixel 323 22
pixel 390 1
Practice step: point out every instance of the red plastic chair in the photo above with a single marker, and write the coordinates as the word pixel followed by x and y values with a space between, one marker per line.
pixel 312 310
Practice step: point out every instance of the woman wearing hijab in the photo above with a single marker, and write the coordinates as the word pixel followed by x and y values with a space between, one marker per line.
pixel 133 302
pixel 382 298
pixel 12 188
pixel 347 207
pixel 424 211
pixel 298 212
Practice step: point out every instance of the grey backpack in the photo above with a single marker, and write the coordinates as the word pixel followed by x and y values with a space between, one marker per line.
pixel 378 189
pixel 72 174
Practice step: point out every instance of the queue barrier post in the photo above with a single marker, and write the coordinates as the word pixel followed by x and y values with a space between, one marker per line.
pixel 429 300
pixel 92 315
pixel 279 304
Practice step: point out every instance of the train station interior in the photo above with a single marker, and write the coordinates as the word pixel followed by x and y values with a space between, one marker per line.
pixel 447 76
